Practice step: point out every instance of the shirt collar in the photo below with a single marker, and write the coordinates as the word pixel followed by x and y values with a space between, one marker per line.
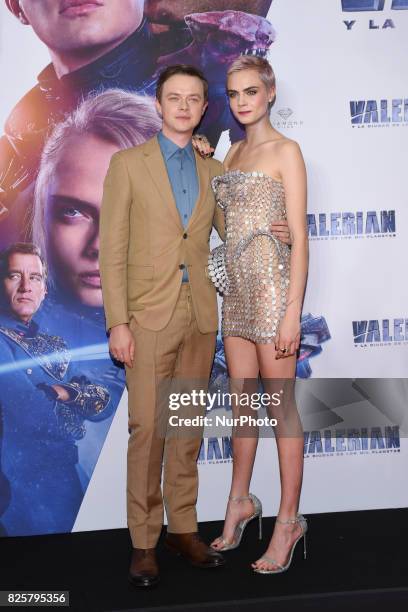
pixel 27 329
pixel 132 51
pixel 169 148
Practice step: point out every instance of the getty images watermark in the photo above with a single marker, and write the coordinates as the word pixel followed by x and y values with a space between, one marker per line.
pixel 209 401
pixel 342 415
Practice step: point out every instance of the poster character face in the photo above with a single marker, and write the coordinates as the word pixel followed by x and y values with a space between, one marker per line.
pixel 72 216
pixel 24 285
pixel 73 25
pixel 69 186
pixel 248 95
pixel 182 103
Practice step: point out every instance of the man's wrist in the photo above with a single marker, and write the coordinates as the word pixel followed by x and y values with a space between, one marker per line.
pixel 119 325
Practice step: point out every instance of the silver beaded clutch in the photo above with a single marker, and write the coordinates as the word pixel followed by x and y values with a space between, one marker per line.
pixel 216 260
pixel 217 270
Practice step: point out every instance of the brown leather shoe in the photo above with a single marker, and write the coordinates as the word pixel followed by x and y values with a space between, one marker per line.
pixel 143 571
pixel 193 549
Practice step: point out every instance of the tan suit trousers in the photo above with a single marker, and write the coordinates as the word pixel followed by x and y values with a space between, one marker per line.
pixel 179 351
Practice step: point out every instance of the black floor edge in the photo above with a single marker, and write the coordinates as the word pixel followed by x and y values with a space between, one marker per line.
pixel 368 596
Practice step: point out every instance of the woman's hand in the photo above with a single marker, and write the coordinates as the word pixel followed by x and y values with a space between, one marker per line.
pixel 287 340
pixel 202 145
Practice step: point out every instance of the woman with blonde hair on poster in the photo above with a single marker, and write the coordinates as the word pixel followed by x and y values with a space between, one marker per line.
pixel 69 187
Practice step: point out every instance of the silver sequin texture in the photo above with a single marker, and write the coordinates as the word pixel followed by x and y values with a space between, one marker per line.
pixel 258 265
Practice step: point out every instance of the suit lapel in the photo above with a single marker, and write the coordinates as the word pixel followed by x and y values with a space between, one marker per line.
pixel 158 172
pixel 157 169
pixel 203 172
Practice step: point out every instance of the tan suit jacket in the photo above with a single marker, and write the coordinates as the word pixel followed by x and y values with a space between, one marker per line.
pixel 143 242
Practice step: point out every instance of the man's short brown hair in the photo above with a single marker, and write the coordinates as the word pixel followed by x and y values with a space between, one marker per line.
pixel 25 248
pixel 186 69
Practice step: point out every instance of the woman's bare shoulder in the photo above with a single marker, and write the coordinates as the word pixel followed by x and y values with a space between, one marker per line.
pixel 287 151
pixel 282 143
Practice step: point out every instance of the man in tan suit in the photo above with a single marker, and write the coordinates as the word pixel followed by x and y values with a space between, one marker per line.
pixel 161 309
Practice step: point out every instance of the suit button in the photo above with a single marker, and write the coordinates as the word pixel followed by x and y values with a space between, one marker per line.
pixel 182 266
pixel 184 236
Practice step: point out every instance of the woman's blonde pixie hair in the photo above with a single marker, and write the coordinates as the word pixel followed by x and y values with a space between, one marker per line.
pixel 261 65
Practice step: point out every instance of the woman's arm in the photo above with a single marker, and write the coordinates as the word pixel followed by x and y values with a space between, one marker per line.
pixel 293 172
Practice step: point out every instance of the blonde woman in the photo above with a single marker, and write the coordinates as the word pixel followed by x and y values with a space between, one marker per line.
pixel 265 181
pixel 69 187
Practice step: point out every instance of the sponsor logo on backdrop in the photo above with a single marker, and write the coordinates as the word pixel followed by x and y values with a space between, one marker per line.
pixel 383 21
pixel 352 441
pixel 380 332
pixel 285 119
pixel 379 113
pixel 349 225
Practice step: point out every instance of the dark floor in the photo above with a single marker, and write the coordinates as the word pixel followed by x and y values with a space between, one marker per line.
pixel 356 561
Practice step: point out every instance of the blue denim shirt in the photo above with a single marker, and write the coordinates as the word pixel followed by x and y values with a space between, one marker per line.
pixel 182 172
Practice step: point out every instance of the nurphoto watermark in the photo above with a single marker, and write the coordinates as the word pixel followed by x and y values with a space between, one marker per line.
pixel 359 411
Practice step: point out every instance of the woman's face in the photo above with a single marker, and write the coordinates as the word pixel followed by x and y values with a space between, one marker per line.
pixel 249 98
pixel 72 216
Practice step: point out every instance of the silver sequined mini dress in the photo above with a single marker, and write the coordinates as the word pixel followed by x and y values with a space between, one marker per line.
pixel 257 263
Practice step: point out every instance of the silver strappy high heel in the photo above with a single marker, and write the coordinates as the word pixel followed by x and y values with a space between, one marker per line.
pixel 282 568
pixel 239 529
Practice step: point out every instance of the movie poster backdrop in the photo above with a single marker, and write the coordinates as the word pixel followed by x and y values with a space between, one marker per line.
pixel 340 95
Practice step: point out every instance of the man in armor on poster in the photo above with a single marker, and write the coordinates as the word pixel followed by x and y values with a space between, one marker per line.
pixel 44 404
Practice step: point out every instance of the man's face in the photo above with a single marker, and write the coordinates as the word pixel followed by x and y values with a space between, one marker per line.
pixel 182 103
pixel 72 216
pixel 73 25
pixel 24 285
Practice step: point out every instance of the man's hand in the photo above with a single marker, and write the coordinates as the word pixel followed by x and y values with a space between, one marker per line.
pixel 202 145
pixel 63 395
pixel 280 229
pixel 54 392
pixel 122 344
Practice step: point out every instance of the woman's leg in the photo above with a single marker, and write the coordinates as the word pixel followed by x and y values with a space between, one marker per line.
pixel 289 438
pixel 243 372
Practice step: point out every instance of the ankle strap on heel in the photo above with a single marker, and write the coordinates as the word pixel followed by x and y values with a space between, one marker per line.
pixel 239 499
pixel 293 521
